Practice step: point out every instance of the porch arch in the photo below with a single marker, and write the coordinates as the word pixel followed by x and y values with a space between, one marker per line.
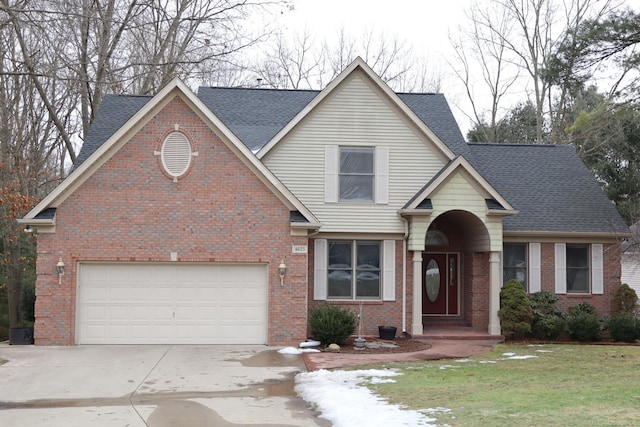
pixel 479 241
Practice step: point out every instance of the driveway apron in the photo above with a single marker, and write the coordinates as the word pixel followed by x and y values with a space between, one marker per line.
pixel 155 386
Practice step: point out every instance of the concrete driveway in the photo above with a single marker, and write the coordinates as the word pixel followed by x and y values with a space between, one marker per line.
pixel 155 386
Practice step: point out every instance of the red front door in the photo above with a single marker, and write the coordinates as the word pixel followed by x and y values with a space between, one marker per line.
pixel 440 285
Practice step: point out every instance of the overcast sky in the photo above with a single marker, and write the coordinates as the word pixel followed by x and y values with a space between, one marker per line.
pixel 424 24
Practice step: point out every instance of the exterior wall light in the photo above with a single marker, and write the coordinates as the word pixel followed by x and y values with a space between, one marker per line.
pixel 283 270
pixel 60 270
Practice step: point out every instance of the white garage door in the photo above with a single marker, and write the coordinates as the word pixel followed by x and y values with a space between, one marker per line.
pixel 172 303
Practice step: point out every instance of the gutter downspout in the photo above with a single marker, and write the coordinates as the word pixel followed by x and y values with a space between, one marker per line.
pixel 404 274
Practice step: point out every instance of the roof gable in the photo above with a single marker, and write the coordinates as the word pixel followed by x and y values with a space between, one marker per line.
pixel 459 167
pixel 146 111
pixel 359 66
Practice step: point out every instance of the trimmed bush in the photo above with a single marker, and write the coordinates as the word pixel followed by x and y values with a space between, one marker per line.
pixel 515 310
pixel 625 300
pixel 550 327
pixel 582 308
pixel 624 327
pixel 583 323
pixel 332 324
pixel 548 320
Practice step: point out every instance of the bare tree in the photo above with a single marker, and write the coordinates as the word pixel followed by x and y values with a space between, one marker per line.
pixel 529 42
pixel 301 62
pixel 481 48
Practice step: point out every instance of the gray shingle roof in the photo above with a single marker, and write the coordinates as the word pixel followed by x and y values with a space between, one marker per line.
pixel 550 186
pixel 114 112
pixel 433 109
pixel 257 115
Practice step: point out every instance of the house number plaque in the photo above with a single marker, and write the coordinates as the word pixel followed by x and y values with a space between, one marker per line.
pixel 298 249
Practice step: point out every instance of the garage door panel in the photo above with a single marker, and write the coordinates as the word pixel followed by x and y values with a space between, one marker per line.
pixel 172 303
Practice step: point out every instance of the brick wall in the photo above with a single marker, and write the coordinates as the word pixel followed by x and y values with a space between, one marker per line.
pixel 130 211
pixel 477 281
pixel 611 268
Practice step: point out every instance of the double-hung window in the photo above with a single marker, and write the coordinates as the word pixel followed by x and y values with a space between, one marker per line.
pixel 514 263
pixel 577 268
pixel 354 269
pixel 356 174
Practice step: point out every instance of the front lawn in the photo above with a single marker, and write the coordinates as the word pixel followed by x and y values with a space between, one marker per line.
pixel 524 385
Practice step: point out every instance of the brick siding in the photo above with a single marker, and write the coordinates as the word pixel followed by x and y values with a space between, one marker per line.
pixel 129 211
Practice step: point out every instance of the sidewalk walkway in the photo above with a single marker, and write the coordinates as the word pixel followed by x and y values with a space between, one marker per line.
pixel 440 349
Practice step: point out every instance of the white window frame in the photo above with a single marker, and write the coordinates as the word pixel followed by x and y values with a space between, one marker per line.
pixel 380 189
pixel 354 271
pixel 596 269
pixel 387 270
pixel 344 174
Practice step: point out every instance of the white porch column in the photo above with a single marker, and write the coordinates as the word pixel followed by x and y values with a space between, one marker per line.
pixel 416 317
pixel 494 293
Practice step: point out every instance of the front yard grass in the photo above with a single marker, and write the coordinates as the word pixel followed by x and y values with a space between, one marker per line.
pixel 556 385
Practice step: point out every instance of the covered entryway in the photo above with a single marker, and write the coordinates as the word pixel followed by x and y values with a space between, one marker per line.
pixel 171 303
pixel 441 294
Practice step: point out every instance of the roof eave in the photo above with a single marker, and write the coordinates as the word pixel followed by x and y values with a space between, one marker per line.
pixel 415 212
pixel 567 234
pixel 42 225
pixel 502 212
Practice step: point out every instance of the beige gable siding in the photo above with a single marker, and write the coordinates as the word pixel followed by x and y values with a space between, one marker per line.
pixel 631 270
pixel 459 194
pixel 355 115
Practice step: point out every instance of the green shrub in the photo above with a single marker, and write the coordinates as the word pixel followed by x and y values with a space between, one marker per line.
pixel 515 310
pixel 583 326
pixel 332 323
pixel 624 327
pixel 625 300
pixel 548 320
pixel 582 308
pixel 551 327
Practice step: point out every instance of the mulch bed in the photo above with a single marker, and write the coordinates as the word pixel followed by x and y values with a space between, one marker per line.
pixel 404 345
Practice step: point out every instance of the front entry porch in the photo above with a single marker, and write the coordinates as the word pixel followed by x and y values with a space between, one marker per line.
pixel 456 275
pixel 454 332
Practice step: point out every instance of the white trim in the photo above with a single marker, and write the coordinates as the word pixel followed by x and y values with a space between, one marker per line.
pixel 320 269
pixel 382 175
pixel 175 154
pixel 448 171
pixel 535 274
pixel 331 162
pixel 561 268
pixel 389 270
pixel 597 270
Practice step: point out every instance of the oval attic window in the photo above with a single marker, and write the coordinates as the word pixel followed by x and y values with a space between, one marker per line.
pixel 176 154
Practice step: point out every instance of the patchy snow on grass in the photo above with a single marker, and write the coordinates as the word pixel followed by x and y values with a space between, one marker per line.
pixel 342 398
pixel 443 367
pixel 530 356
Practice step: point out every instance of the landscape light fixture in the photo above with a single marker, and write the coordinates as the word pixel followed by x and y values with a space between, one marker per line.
pixel 283 270
pixel 60 269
